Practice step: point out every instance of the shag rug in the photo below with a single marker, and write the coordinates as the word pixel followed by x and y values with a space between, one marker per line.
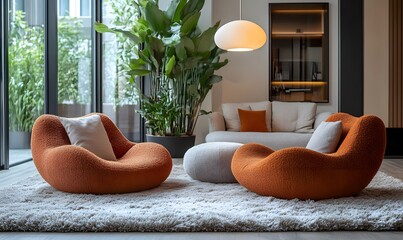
pixel 183 204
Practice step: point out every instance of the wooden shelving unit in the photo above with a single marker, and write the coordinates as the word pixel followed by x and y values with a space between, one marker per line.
pixel 299 52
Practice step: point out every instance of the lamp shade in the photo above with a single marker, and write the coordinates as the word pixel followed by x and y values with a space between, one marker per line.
pixel 240 35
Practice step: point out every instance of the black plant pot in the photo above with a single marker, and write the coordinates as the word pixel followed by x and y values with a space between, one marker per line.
pixel 176 145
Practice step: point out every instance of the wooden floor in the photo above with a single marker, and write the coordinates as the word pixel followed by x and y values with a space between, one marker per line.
pixel 393 167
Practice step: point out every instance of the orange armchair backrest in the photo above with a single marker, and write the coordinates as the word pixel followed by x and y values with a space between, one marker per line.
pixel 48 132
pixel 363 138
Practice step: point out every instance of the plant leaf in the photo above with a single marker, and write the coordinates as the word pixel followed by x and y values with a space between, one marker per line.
pixel 128 34
pixel 192 90
pixel 156 45
pixel 219 65
pixel 181 51
pixel 178 13
pixel 189 45
pixel 205 42
pixel 137 64
pixel 139 72
pixel 191 7
pixel 190 24
pixel 174 8
pixel 102 28
pixel 215 79
pixel 156 18
pixel 169 66
pixel 204 112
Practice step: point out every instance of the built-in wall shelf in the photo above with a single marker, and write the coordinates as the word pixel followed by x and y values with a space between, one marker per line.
pixel 299 52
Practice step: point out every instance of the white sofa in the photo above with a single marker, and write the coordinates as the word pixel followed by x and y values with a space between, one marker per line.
pixel 290 124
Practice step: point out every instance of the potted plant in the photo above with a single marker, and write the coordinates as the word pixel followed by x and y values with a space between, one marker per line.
pixel 179 61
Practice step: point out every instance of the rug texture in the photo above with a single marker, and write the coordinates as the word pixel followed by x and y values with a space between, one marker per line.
pixel 183 204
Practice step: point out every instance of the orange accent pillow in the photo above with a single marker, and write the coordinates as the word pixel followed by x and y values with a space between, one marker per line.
pixel 252 121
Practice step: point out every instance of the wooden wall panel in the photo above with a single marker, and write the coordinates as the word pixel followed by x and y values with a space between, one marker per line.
pixel 396 64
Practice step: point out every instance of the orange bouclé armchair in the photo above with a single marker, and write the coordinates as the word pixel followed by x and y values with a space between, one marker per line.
pixel 74 169
pixel 305 174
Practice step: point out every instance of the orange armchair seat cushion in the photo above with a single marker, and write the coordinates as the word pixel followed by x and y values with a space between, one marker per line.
pixel 305 174
pixel 74 169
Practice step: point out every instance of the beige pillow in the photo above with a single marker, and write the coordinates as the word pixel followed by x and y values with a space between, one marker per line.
pixel 231 116
pixel 89 132
pixel 293 116
pixel 326 137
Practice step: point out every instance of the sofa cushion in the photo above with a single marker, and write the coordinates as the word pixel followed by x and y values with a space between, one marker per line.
pixel 326 137
pixel 273 140
pixel 89 132
pixel 231 116
pixel 293 116
pixel 252 121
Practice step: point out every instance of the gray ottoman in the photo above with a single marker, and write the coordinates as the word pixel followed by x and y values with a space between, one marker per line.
pixel 211 162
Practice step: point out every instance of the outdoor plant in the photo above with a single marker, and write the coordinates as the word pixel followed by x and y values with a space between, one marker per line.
pixel 72 48
pixel 178 60
pixel 26 68
pixel 117 78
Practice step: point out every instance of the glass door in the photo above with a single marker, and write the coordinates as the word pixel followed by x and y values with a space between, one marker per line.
pixel 28 67
pixel 26 59
pixel 118 94
pixel 74 58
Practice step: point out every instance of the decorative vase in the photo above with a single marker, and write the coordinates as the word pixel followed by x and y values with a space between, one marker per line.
pixel 176 145
pixel 20 140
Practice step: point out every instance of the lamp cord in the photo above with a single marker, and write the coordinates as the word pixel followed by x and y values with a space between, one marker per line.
pixel 240 9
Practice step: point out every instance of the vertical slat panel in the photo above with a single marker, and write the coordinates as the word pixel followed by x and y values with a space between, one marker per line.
pixel 391 53
pixel 399 63
pixel 395 66
pixel 400 79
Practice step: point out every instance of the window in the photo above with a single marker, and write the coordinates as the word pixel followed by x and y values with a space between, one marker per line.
pixel 39 81
pixel 85 8
pixel 118 93
pixel 26 75
pixel 64 7
pixel 74 65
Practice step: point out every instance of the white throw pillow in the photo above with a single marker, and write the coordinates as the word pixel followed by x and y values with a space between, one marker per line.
pixel 326 137
pixel 89 133
pixel 293 116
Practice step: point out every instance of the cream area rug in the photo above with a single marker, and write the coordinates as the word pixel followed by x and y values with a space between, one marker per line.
pixel 183 204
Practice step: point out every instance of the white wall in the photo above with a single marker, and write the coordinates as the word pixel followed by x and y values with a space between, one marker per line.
pixel 246 76
pixel 376 58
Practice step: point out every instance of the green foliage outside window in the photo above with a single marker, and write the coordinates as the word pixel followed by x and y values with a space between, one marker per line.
pixel 124 13
pixel 26 68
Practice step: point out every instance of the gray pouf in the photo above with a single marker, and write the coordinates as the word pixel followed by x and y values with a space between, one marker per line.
pixel 211 162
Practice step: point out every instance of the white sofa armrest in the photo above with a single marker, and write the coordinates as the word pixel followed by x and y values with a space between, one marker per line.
pixel 216 122
pixel 320 117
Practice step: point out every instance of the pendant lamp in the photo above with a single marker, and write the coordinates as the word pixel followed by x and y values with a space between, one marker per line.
pixel 240 35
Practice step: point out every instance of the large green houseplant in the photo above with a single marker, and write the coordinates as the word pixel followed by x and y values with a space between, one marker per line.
pixel 178 60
